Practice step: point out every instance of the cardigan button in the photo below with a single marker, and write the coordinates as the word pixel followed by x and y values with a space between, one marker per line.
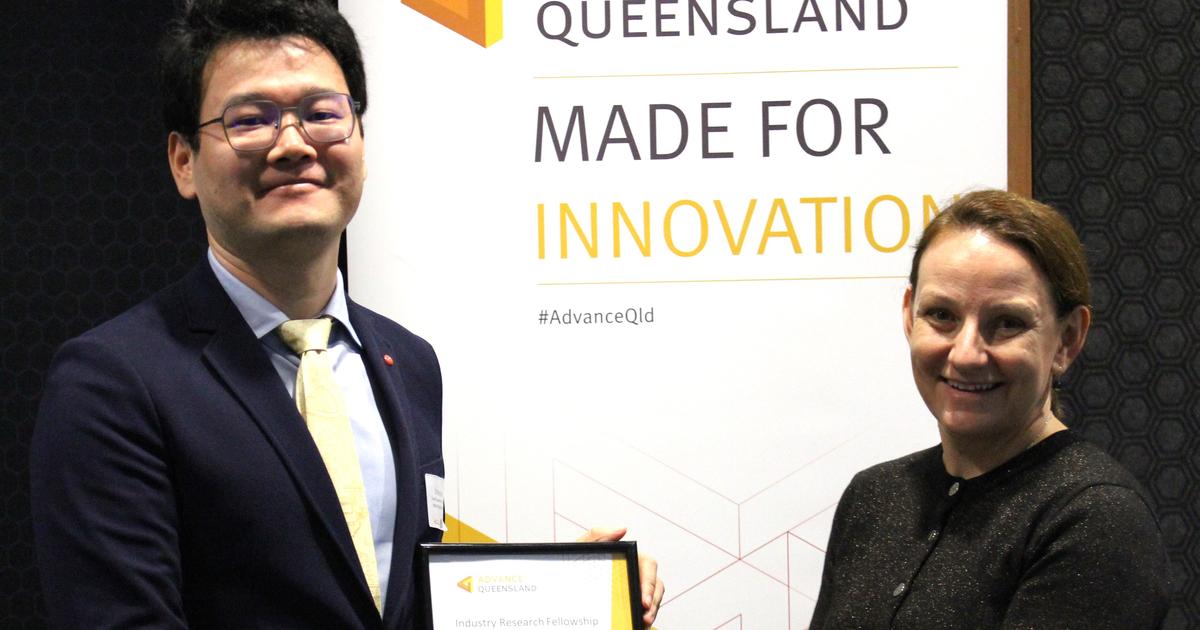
pixel 899 589
pixel 954 488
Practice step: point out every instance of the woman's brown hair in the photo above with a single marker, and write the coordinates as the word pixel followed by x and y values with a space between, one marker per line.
pixel 1036 228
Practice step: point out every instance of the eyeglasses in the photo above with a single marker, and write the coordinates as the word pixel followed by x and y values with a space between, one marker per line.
pixel 256 125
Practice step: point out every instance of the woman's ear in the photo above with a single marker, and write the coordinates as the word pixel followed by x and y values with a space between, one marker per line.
pixel 907 310
pixel 1074 329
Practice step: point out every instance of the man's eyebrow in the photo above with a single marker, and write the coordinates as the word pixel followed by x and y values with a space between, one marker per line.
pixel 246 97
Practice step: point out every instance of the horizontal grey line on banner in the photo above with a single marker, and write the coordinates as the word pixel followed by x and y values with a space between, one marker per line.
pixel 742 72
pixel 716 280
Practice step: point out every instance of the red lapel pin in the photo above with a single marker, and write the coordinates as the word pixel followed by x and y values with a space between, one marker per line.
pixel 387 358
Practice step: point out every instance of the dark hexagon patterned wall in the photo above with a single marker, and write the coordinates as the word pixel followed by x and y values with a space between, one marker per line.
pixel 1116 145
pixel 90 222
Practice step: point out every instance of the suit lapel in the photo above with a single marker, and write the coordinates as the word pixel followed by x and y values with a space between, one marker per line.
pixel 388 384
pixel 241 363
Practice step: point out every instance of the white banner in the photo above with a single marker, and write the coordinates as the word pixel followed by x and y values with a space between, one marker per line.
pixel 660 248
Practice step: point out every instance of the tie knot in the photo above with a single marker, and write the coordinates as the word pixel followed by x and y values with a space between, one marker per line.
pixel 302 335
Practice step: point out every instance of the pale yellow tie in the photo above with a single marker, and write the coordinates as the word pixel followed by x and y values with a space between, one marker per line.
pixel 320 402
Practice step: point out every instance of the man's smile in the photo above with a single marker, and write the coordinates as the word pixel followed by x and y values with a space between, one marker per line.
pixel 291 186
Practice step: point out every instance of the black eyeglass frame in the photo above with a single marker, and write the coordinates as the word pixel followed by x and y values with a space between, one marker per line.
pixel 355 109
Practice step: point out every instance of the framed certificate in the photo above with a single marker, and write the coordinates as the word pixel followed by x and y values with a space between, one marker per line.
pixel 543 586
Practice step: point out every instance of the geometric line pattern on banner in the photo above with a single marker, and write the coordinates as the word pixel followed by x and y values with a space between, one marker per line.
pixel 789 559
pixel 734 623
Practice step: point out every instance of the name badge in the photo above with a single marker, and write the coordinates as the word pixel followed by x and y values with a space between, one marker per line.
pixel 435 494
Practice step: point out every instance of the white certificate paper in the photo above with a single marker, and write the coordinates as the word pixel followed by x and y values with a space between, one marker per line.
pixel 573 590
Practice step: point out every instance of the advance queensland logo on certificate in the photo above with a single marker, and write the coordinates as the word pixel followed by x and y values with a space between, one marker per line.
pixel 548 587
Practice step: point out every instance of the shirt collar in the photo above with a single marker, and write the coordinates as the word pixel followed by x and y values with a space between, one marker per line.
pixel 263 317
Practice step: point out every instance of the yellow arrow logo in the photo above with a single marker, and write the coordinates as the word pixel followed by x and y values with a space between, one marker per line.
pixel 480 21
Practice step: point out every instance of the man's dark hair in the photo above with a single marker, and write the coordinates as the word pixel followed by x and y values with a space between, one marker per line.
pixel 206 25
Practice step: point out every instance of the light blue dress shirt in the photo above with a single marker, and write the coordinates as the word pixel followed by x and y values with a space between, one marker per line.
pixel 345 350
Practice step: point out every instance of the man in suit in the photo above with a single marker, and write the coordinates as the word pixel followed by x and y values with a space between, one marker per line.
pixel 174 482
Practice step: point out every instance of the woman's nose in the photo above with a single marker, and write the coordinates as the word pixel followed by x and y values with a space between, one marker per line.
pixel 970 347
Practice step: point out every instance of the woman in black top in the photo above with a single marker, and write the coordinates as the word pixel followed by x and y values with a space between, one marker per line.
pixel 1012 521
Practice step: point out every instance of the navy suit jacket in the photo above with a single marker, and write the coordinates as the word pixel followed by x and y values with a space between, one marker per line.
pixel 174 484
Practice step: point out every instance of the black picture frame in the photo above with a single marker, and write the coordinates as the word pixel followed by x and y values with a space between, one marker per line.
pixel 427 551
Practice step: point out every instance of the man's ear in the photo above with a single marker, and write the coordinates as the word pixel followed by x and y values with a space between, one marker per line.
pixel 181 157
pixel 1074 332
pixel 907 310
